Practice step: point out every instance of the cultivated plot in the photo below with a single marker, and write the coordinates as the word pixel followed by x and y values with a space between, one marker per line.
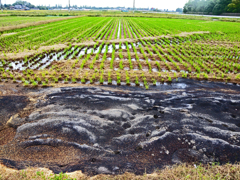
pixel 6 21
pixel 127 51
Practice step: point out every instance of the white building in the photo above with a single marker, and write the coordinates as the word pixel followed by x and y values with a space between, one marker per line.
pixel 18 6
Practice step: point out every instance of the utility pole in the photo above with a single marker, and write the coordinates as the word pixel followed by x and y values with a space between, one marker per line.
pixel 69 5
pixel 133 5
pixel 1 5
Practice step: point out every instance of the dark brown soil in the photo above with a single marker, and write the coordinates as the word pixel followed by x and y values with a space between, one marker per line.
pixel 112 130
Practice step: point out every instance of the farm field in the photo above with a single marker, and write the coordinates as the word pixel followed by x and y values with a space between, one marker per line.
pixel 123 94
pixel 121 51
pixel 8 22
pixel 97 13
pixel 17 20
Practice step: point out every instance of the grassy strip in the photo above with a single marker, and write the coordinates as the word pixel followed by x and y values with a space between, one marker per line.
pixel 17 20
pixel 180 172
pixel 33 24
pixel 112 14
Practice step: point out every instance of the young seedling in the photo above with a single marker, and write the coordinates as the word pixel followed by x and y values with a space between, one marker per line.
pixel 34 84
pixel 154 81
pixel 101 80
pixel 136 81
pixel 109 78
pixel 74 80
pixel 127 79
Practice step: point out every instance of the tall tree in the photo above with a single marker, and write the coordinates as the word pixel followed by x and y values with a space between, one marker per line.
pixel 235 6
pixel 179 10
pixel 211 6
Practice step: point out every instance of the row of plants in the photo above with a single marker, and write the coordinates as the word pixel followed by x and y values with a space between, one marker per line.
pixel 149 59
pixel 196 59
pixel 102 28
pixel 66 75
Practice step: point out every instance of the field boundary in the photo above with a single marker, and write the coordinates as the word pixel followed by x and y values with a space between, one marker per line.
pixel 2 29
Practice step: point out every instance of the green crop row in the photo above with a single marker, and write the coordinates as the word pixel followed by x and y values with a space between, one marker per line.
pixel 147 50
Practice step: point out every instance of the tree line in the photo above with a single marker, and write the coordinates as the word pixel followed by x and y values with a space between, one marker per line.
pixel 216 7
pixel 59 6
pixel 24 3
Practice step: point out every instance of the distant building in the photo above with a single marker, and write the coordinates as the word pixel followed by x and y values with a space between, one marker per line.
pixel 18 6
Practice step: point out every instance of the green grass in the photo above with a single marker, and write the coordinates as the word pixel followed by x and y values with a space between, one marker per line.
pixel 17 20
pixel 110 13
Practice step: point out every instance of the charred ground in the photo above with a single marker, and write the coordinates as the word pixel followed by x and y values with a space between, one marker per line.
pixel 112 129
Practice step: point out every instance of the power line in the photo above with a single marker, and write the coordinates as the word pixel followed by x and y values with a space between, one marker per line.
pixel 133 5
pixel 0 5
pixel 69 5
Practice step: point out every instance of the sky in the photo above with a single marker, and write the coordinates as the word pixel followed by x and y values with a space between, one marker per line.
pixel 160 4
